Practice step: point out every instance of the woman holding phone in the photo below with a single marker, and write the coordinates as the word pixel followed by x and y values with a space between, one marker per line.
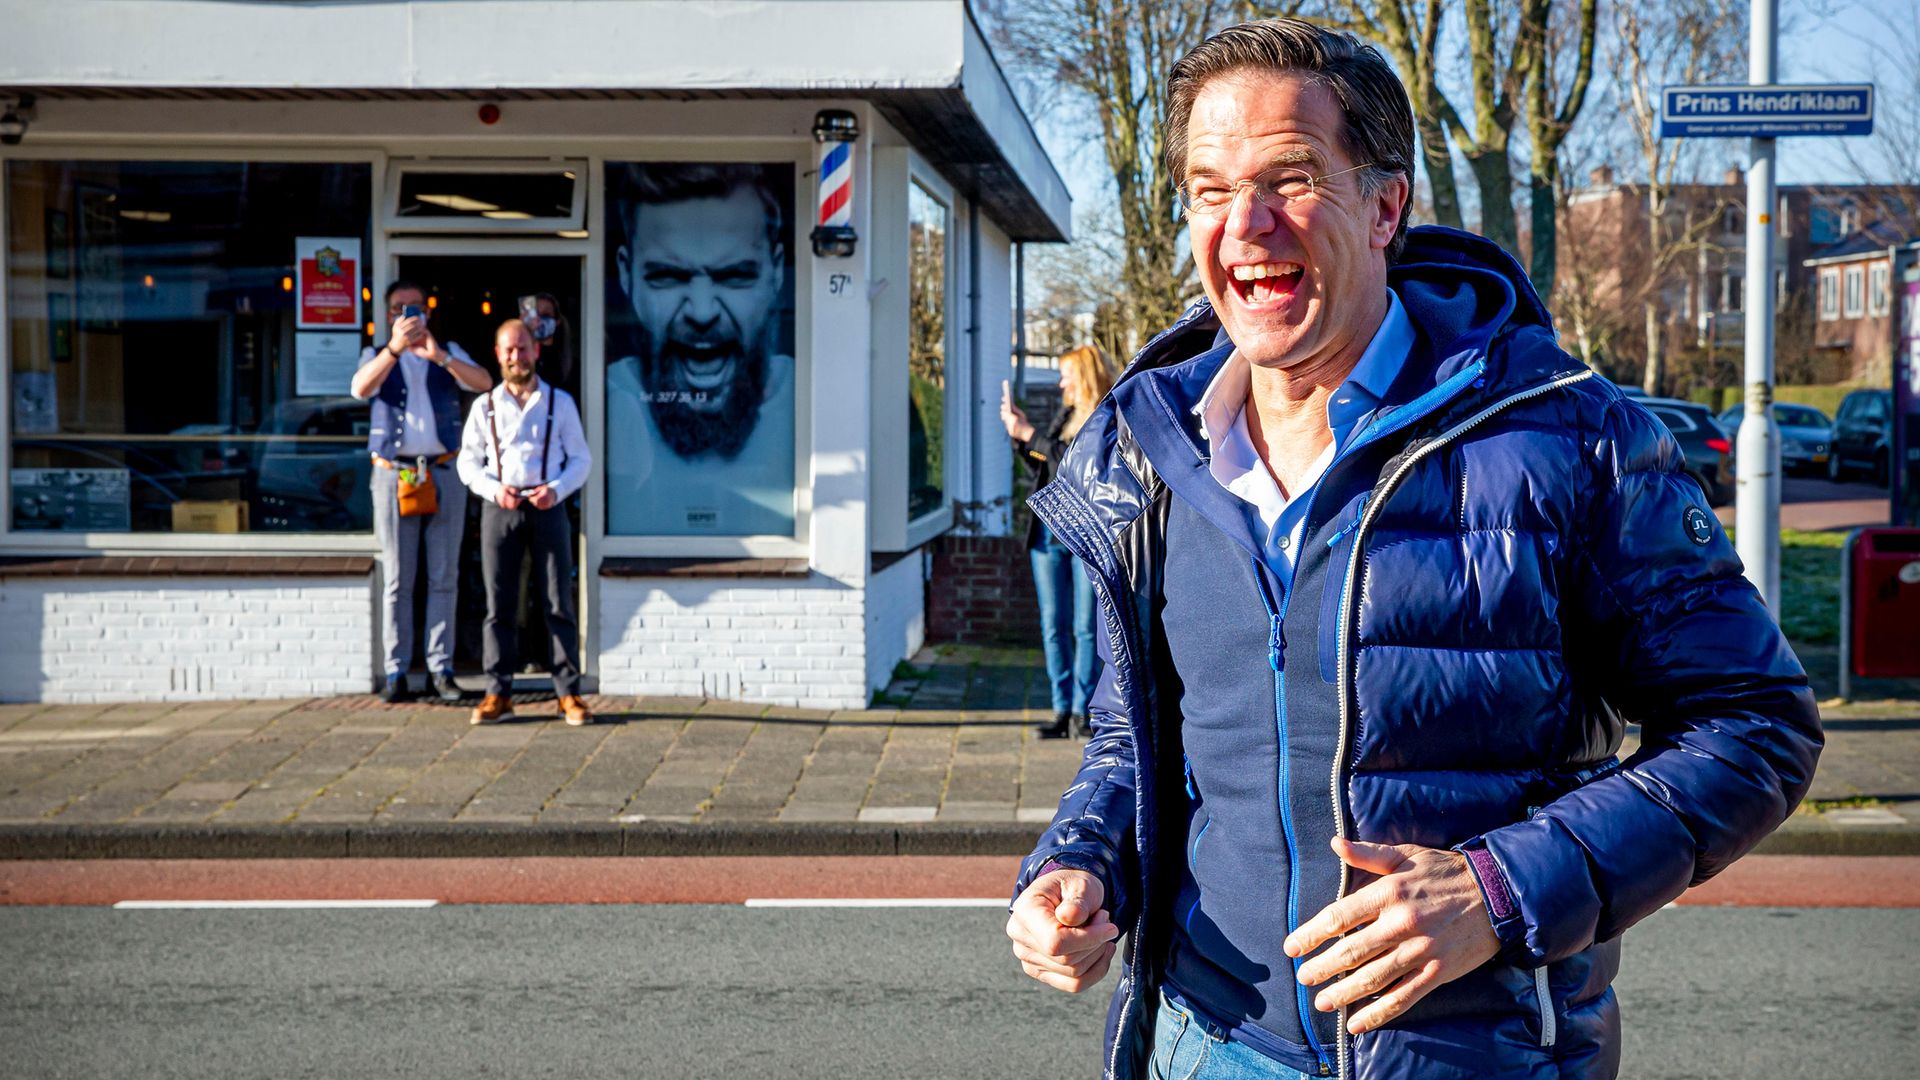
pixel 1067 612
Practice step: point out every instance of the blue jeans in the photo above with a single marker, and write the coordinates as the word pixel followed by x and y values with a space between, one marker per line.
pixel 1184 1050
pixel 1067 617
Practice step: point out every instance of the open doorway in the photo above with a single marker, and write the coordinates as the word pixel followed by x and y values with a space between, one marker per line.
pixel 470 296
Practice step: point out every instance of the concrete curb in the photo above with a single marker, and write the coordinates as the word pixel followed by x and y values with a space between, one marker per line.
pixel 450 840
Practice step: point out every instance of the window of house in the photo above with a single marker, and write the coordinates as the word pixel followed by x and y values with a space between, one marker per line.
pixel 1829 294
pixel 1825 226
pixel 1731 291
pixel 182 335
pixel 1732 221
pixel 1855 306
pixel 1879 295
pixel 928 225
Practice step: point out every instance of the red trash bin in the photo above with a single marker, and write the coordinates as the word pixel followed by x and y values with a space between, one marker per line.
pixel 1879 604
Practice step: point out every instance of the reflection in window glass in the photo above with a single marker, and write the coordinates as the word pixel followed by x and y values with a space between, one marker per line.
pixel 495 196
pixel 926 352
pixel 182 335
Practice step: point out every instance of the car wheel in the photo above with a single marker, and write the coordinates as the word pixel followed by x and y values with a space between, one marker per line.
pixel 1835 471
pixel 1881 468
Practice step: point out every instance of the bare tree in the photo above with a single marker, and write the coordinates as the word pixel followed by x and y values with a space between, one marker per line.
pixel 1892 155
pixel 1110 58
pixel 1499 50
pixel 1550 121
pixel 1410 34
pixel 1661 43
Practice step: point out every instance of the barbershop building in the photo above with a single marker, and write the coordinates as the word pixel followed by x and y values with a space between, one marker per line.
pixel 203 203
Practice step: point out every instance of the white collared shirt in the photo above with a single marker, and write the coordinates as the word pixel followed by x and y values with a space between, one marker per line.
pixel 523 437
pixel 418 435
pixel 1236 466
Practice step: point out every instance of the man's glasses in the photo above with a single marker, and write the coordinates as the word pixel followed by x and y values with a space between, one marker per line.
pixel 1215 195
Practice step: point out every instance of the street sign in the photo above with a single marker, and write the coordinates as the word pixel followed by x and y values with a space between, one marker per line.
pixel 1765 112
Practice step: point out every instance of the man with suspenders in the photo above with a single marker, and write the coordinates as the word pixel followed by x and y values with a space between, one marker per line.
pixel 523 454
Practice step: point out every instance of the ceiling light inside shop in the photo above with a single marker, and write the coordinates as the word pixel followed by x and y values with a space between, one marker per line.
pixel 458 202
pixel 506 215
pixel 573 234
pixel 156 216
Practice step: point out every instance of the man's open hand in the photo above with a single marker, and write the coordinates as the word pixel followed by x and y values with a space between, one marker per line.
pixel 1061 933
pixel 1421 924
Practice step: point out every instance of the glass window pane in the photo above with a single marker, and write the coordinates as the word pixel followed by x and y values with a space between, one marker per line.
pixel 700 321
pixel 926 352
pixel 181 335
pixel 495 196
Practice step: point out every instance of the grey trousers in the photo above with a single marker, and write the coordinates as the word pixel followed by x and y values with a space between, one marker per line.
pixel 507 536
pixel 401 543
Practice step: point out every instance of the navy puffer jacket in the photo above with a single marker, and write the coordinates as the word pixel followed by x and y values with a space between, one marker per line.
pixel 1504 569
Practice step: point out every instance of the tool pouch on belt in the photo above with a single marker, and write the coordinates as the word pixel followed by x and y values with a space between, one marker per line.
pixel 418 497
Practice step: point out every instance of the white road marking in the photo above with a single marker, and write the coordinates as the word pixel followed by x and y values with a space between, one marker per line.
pixel 876 902
pixel 155 905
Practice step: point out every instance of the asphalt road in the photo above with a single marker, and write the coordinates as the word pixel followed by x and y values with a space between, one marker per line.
pixel 724 991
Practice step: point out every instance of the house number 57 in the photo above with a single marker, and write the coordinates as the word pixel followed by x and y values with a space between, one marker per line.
pixel 837 284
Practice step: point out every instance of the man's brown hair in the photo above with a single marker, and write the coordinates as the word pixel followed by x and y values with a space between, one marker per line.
pixel 1378 118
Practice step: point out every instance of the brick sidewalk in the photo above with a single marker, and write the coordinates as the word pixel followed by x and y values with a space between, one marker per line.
pixel 957 749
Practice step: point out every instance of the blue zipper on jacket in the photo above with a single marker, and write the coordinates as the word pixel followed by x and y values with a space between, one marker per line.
pixel 1277 660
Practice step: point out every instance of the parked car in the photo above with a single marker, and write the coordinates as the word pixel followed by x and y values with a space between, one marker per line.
pixel 1863 437
pixel 1708 451
pixel 1806 435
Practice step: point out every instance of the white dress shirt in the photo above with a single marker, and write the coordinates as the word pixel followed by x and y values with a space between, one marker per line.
pixel 523 437
pixel 1236 465
pixel 418 437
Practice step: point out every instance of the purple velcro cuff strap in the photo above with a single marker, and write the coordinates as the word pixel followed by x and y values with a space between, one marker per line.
pixel 1493 884
pixel 1051 867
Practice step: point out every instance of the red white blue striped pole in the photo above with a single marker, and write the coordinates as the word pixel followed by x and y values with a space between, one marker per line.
pixel 835 130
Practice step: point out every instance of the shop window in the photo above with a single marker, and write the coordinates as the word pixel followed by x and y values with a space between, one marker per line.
pixel 927 229
pixel 181 336
pixel 700 323
pixel 1856 292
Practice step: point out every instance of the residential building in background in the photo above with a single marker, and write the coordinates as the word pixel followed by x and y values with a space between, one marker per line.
pixel 1698 296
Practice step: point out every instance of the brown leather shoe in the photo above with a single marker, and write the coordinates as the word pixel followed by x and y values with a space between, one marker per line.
pixel 574 707
pixel 491 708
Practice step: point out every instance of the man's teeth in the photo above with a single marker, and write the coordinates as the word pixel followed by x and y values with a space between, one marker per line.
pixel 1266 270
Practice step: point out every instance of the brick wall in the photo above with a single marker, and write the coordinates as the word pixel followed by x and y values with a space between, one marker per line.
pixel 119 639
pixel 798 642
pixel 982 591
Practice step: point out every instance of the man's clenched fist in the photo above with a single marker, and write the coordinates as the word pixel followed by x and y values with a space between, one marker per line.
pixel 1061 933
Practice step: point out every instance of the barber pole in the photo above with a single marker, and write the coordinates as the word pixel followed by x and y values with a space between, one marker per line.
pixel 835 130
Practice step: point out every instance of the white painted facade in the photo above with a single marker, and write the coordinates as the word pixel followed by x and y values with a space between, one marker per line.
pixel 108 80
pixel 131 639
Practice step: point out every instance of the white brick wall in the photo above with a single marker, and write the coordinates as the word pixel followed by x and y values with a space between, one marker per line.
pixel 896 617
pixel 795 642
pixel 128 639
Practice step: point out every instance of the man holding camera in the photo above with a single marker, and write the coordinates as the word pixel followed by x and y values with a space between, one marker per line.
pixel 413 438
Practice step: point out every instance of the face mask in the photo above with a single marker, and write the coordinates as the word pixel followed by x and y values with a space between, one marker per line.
pixel 542 326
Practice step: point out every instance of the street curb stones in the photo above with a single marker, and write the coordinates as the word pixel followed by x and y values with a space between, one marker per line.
pixel 428 841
